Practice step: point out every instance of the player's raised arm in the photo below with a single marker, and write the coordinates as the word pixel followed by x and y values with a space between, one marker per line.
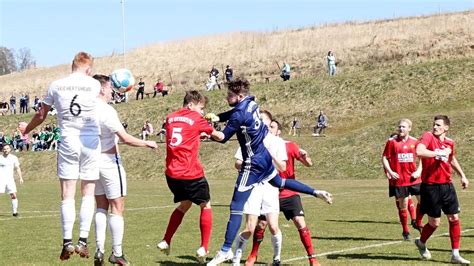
pixel 135 142
pixel 304 158
pixel 37 119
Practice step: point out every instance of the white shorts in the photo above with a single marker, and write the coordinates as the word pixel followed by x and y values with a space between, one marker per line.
pixel 262 200
pixel 113 179
pixel 78 157
pixel 7 186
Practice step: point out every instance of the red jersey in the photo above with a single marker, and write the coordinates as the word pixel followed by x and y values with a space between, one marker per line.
pixel 293 152
pixel 436 171
pixel 183 130
pixel 401 156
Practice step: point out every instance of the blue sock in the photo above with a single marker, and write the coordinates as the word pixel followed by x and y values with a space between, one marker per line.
pixel 291 184
pixel 233 226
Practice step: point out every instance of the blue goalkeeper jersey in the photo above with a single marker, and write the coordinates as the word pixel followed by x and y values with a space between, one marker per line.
pixel 244 120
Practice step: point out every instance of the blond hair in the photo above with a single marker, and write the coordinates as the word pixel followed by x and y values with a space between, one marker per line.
pixel 82 59
pixel 406 120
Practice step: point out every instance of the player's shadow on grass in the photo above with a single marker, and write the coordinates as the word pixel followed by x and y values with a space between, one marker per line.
pixel 220 206
pixel 363 221
pixel 353 238
pixel 191 261
pixel 388 257
pixel 463 251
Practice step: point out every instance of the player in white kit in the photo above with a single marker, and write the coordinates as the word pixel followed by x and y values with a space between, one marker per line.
pixel 111 188
pixel 8 162
pixel 75 98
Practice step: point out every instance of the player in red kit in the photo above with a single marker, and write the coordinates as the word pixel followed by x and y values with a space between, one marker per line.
pixel 184 173
pixel 399 162
pixel 437 190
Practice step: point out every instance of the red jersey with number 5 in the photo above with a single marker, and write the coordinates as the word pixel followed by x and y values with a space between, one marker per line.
pixel 183 131
pixel 436 170
pixel 402 158
pixel 293 152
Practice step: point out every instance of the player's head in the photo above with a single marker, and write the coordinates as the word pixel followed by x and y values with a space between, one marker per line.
pixel 6 149
pixel 404 127
pixel 275 128
pixel 105 87
pixel 83 62
pixel 195 101
pixel 441 125
pixel 266 117
pixel 237 90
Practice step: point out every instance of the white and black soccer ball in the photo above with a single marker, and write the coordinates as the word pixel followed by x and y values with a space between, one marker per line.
pixel 122 80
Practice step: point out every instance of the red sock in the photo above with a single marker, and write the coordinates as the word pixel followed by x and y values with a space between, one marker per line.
pixel 205 224
pixel 411 209
pixel 402 213
pixel 426 232
pixel 419 215
pixel 455 233
pixel 257 240
pixel 175 220
pixel 305 236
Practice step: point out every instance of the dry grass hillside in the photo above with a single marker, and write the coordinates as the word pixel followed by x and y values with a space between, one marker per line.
pixel 254 54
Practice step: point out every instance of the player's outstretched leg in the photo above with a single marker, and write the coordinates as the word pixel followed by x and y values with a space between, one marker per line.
pixel 297 186
pixel 175 220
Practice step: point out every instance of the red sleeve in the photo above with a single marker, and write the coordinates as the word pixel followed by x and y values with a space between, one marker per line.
pixel 203 125
pixel 295 151
pixel 425 139
pixel 388 148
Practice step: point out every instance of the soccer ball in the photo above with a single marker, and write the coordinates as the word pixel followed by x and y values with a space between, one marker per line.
pixel 122 80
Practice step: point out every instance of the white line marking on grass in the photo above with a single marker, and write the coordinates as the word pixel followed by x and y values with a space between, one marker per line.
pixel 365 247
pixel 29 217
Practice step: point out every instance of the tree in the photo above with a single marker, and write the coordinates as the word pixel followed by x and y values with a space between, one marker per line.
pixel 25 59
pixel 7 61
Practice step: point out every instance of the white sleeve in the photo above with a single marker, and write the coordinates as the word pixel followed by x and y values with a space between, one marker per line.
pixel 16 163
pixel 281 150
pixel 238 154
pixel 111 120
pixel 49 98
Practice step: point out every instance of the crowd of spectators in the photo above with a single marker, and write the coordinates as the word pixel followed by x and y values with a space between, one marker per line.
pixel 9 106
pixel 39 140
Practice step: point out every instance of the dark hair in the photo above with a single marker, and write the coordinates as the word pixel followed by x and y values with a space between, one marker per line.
pixel 267 113
pixel 101 78
pixel 278 124
pixel 445 119
pixel 329 53
pixel 239 86
pixel 194 97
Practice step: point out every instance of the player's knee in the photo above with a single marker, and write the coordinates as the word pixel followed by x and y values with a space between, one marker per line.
pixel 13 196
pixel 299 222
pixel 434 223
pixel 453 217
pixel 274 229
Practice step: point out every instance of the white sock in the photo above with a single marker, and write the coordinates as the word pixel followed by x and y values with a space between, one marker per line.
pixel 68 216
pixel 100 229
pixel 240 244
pixel 14 205
pixel 276 243
pixel 116 225
pixel 86 215
pixel 456 252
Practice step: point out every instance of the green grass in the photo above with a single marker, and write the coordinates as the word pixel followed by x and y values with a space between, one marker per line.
pixel 362 215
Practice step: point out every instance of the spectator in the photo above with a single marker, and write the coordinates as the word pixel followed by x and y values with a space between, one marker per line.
pixel 27 103
pixel 162 132
pixel 23 104
pixel 26 142
pixel 295 126
pixel 215 73
pixel 331 63
pixel 13 104
pixel 321 124
pixel 36 104
pixel 147 130
pixel 159 88
pixel 228 73
pixel 166 90
pixel 4 107
pixel 285 72
pixel 211 83
pixel 141 88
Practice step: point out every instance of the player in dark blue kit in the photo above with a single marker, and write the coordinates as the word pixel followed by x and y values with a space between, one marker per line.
pixel 244 120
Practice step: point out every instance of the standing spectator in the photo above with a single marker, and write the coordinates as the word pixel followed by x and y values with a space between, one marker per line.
pixel 295 126
pixel 27 102
pixel 331 63
pixel 162 132
pixel 9 162
pixel 285 71
pixel 321 124
pixel 141 88
pixel 228 73
pixel 159 88
pixel 215 73
pixel 23 104
pixel 147 130
pixel 36 104
pixel 437 191
pixel 4 107
pixel 13 104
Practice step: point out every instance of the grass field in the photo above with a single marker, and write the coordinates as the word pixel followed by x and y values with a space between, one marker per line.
pixel 360 228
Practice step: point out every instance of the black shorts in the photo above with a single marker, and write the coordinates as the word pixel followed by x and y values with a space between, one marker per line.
pixel 403 191
pixel 196 190
pixel 291 207
pixel 437 197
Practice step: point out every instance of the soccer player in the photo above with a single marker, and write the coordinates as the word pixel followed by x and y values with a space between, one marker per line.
pixel 437 190
pixel 290 202
pixel 244 120
pixel 184 173
pixel 8 162
pixel 264 197
pixel 75 98
pixel 111 188
pixel 399 162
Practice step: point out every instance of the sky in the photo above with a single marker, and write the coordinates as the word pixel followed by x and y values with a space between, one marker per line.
pixel 55 30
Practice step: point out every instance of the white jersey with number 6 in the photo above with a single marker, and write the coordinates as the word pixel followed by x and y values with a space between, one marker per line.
pixel 75 99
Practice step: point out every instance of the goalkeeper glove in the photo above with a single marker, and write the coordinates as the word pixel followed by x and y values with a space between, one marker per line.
pixel 211 117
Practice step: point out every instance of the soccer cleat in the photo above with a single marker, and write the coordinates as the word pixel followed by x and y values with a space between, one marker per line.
pixel 99 258
pixel 220 257
pixel 68 250
pixel 416 227
pixel 459 260
pixel 324 195
pixel 118 260
pixel 201 254
pixel 251 260
pixel 15 214
pixel 406 236
pixel 424 252
pixel 164 247
pixel 82 250
pixel 276 262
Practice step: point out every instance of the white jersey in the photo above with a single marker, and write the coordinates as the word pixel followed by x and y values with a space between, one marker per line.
pixel 274 144
pixel 109 125
pixel 7 164
pixel 75 99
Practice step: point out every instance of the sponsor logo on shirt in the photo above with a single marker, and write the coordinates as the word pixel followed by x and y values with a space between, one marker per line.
pixel 405 157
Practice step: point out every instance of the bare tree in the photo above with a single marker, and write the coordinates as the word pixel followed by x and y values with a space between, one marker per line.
pixel 7 61
pixel 25 59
